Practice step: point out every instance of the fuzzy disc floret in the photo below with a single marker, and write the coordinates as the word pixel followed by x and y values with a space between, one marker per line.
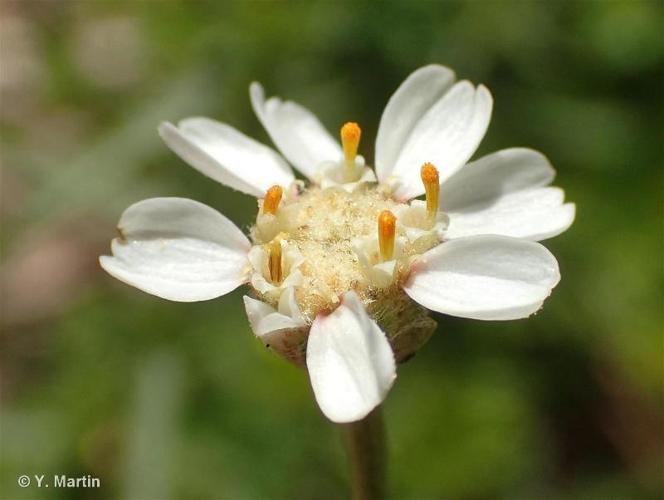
pixel 335 231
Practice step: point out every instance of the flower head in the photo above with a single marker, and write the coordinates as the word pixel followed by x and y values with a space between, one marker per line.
pixel 342 269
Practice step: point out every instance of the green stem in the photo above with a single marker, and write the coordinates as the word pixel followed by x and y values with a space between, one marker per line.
pixel 365 445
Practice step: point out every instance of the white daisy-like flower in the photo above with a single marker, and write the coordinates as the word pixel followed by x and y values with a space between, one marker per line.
pixel 341 270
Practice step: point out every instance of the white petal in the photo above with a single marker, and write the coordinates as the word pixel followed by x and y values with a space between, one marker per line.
pixel 408 104
pixel 484 277
pixel 257 311
pixel 534 214
pixel 259 282
pixel 265 319
pixel 378 274
pixel 446 135
pixel 503 193
pixel 337 173
pixel 227 155
pixel 414 220
pixel 288 306
pixel 294 278
pixel 178 249
pixel 350 362
pixel 284 330
pixel 494 175
pixel 295 130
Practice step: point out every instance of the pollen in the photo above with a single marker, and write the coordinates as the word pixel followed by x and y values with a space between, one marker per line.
pixel 272 199
pixel 274 261
pixel 350 139
pixel 430 179
pixel 386 232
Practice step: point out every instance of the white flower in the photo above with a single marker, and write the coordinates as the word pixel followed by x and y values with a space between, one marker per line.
pixel 333 267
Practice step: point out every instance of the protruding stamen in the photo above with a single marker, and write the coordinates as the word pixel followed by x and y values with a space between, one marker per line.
pixel 431 182
pixel 386 230
pixel 350 139
pixel 272 199
pixel 274 261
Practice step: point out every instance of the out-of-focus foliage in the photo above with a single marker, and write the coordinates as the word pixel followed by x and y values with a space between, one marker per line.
pixel 165 400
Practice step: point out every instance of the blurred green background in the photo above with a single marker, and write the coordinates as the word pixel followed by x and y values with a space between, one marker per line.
pixel 164 400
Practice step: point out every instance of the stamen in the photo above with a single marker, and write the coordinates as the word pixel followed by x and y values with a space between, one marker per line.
pixel 272 199
pixel 274 261
pixel 386 230
pixel 430 179
pixel 350 139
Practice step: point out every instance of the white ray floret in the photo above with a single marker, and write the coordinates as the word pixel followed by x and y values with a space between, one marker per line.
pixel 350 361
pixel 506 193
pixel 484 277
pixel 178 249
pixel 429 119
pixel 295 130
pixel 227 155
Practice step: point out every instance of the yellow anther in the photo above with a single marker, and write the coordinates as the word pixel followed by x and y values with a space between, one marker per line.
pixel 386 231
pixel 350 139
pixel 272 199
pixel 431 182
pixel 274 261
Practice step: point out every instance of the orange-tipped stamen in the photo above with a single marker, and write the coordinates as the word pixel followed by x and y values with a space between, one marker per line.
pixel 386 231
pixel 431 182
pixel 350 139
pixel 272 199
pixel 274 261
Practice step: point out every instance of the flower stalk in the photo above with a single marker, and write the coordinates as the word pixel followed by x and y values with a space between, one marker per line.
pixel 366 450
